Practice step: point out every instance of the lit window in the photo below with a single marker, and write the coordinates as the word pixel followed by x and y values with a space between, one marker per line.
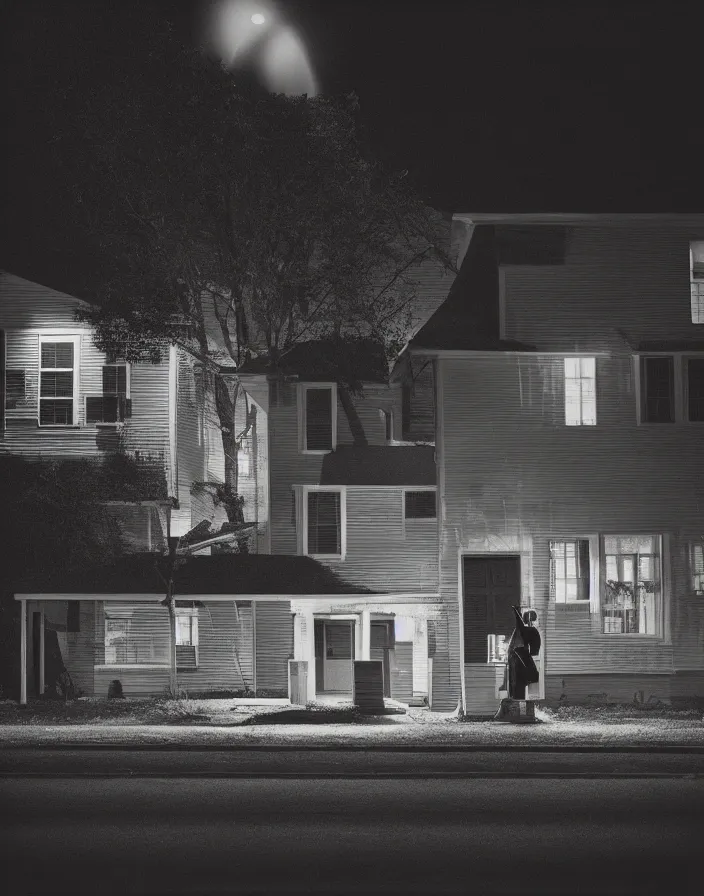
pixel 186 639
pixel 696 566
pixel 325 523
pixel 58 381
pixel 318 418
pixel 632 593
pixel 580 391
pixel 569 570
pixel 419 505
pixel 696 278
pixel 136 638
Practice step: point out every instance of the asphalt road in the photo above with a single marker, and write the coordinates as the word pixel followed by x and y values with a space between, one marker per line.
pixel 152 835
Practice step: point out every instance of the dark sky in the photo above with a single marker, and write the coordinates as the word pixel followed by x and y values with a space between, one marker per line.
pixel 567 106
pixel 514 106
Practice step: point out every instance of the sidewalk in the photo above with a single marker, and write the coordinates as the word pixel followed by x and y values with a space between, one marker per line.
pixel 383 733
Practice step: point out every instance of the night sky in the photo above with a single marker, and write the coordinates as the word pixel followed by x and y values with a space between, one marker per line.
pixel 514 106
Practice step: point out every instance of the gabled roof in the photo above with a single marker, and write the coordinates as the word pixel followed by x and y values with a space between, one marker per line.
pixel 392 465
pixel 218 574
pixel 468 320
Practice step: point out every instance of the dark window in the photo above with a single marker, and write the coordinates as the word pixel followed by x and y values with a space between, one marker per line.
pixel 57 354
pixel 324 523
pixel 318 404
pixel 695 389
pixel 104 409
pixel 420 505
pixel 115 379
pixel 658 390
pixel 73 616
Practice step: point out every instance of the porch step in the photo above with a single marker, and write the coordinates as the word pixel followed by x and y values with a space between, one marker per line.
pixel 418 701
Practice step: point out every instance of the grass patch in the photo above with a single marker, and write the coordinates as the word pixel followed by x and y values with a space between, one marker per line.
pixel 614 713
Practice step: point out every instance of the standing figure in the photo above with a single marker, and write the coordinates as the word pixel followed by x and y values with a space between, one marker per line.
pixel 523 646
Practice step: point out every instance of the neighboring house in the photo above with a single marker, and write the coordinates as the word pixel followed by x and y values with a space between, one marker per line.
pixel 568 364
pixel 335 490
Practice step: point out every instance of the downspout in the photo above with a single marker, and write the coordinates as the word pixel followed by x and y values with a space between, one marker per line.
pixel 23 652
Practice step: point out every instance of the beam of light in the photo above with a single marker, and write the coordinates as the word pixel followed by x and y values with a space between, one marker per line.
pixel 246 32
pixel 286 67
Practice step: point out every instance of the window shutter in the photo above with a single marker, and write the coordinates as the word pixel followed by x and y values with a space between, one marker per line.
pixel 2 381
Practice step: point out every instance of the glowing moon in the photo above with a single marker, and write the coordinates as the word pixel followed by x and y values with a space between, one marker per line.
pixel 258 18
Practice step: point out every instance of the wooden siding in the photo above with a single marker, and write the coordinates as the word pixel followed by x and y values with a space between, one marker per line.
pixel 515 476
pixel 225 649
pixel 632 278
pixel 274 645
pixel 381 553
pixel 28 310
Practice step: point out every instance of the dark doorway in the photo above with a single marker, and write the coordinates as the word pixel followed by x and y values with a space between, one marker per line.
pixel 381 643
pixel 492 585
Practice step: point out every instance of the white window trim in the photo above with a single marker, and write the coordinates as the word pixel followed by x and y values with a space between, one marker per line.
pixel 681 386
pixel 302 514
pixel 301 389
pixel 579 380
pixel 594 602
pixel 75 338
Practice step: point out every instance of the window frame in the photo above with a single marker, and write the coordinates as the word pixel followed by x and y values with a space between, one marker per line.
pixel 660 632
pixel 75 339
pixel 680 361
pixel 103 394
pixel 580 380
pixel 190 613
pixel 302 389
pixel 692 574
pixel 593 578
pixel 312 489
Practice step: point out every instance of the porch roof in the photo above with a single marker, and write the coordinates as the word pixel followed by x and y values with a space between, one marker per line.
pixel 230 574
pixel 388 465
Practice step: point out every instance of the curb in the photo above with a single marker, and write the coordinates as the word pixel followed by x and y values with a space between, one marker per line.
pixel 341 776
pixel 359 748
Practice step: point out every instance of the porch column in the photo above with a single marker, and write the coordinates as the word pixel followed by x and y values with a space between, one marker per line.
pixel 308 652
pixel 366 635
pixel 23 653
pixel 298 647
pixel 42 675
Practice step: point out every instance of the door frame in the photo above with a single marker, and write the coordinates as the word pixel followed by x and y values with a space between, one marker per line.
pixel 478 555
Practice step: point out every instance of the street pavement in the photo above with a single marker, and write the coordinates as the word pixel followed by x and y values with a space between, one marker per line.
pixel 147 835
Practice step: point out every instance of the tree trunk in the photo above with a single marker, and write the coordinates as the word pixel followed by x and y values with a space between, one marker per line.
pixel 173 675
pixel 226 416
pixel 358 435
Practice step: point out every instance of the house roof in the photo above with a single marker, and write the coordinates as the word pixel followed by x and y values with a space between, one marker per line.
pixel 672 345
pixel 218 574
pixel 401 465
pixel 360 360
pixel 468 319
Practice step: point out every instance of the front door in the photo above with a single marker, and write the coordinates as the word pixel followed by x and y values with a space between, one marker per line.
pixel 492 586
pixel 334 656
